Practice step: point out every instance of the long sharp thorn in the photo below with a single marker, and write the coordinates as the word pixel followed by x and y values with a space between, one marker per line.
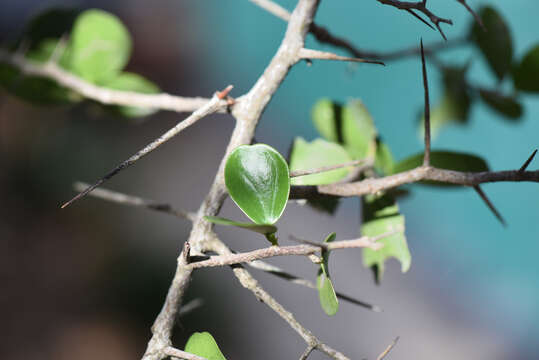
pixel 489 204
pixel 420 19
pixel 426 159
pixel 525 165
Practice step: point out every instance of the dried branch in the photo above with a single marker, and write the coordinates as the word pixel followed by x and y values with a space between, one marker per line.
pixel 180 354
pixel 273 8
pixel 136 201
pixel 103 95
pixel 308 54
pixel 426 159
pixel 306 353
pixel 388 349
pixel 420 6
pixel 209 108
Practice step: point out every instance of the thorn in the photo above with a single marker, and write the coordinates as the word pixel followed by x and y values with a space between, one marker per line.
pixel 525 165
pixel 223 94
pixel 441 31
pixel 489 204
pixel 426 159
pixel 420 19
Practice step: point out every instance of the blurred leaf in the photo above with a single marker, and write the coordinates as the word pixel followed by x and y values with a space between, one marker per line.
pixel 50 24
pixel 502 104
pixel 258 181
pixel 526 74
pixel 381 215
pixel 495 43
pixel 204 345
pixel 359 132
pixel 101 46
pixel 261 229
pixel 327 204
pixel 8 75
pixel 133 82
pixel 326 292
pixel 326 118
pixel 316 154
pixel 44 50
pixel 383 162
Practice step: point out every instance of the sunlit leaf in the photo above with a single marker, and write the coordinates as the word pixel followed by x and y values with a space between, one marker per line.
pixel 326 292
pixel 495 43
pixel 261 229
pixel 258 181
pixel 326 118
pixel 526 74
pixel 383 162
pixel 380 216
pixel 358 130
pixel 127 81
pixel 100 44
pixel 316 154
pixel 507 106
pixel 204 345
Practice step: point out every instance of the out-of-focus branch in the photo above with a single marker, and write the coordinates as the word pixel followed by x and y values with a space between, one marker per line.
pixel 51 70
pixel 180 354
pixel 309 54
pixel 388 349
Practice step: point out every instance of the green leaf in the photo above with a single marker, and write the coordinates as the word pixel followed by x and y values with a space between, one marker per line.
pixel 526 74
pixel 381 215
pixel 359 133
pixel 52 23
pixel 495 43
pixel 127 81
pixel 258 181
pixel 445 160
pixel 326 292
pixel 101 46
pixel 204 345
pixel 316 154
pixel 44 50
pixel 326 117
pixel 384 161
pixel 502 104
pixel 261 229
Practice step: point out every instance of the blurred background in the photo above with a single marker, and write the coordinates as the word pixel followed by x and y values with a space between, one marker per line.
pixel 87 282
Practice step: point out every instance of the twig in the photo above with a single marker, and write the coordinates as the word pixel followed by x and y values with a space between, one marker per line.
pixel 136 201
pixel 209 108
pixel 273 8
pixel 474 14
pixel 525 165
pixel 306 353
pixel 322 169
pixel 180 354
pixel 274 251
pixel 489 203
pixel 276 271
pixel 309 54
pixel 53 71
pixel 388 349
pixel 426 159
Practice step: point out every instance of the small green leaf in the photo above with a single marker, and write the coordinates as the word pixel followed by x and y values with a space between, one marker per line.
pixel 258 181
pixel 326 292
pixel 445 160
pixel 261 229
pixel 101 46
pixel 526 74
pixel 502 104
pixel 495 43
pixel 383 162
pixel 325 115
pixel 359 132
pixel 127 81
pixel 381 215
pixel 317 154
pixel 204 345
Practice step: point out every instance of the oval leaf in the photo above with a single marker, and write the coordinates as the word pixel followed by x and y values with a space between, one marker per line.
pixel 204 345
pixel 127 81
pixel 526 74
pixel 495 43
pixel 504 105
pixel 317 154
pixel 325 115
pixel 100 44
pixel 358 131
pixel 258 181
pixel 261 229
pixel 445 160
pixel 326 294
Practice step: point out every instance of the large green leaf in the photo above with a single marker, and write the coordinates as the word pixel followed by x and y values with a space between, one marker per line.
pixel 316 154
pixel 261 229
pixel 326 292
pixel 358 130
pixel 127 81
pixel 505 105
pixel 526 74
pixel 381 215
pixel 326 117
pixel 258 181
pixel 204 345
pixel 495 43
pixel 445 160
pixel 100 44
